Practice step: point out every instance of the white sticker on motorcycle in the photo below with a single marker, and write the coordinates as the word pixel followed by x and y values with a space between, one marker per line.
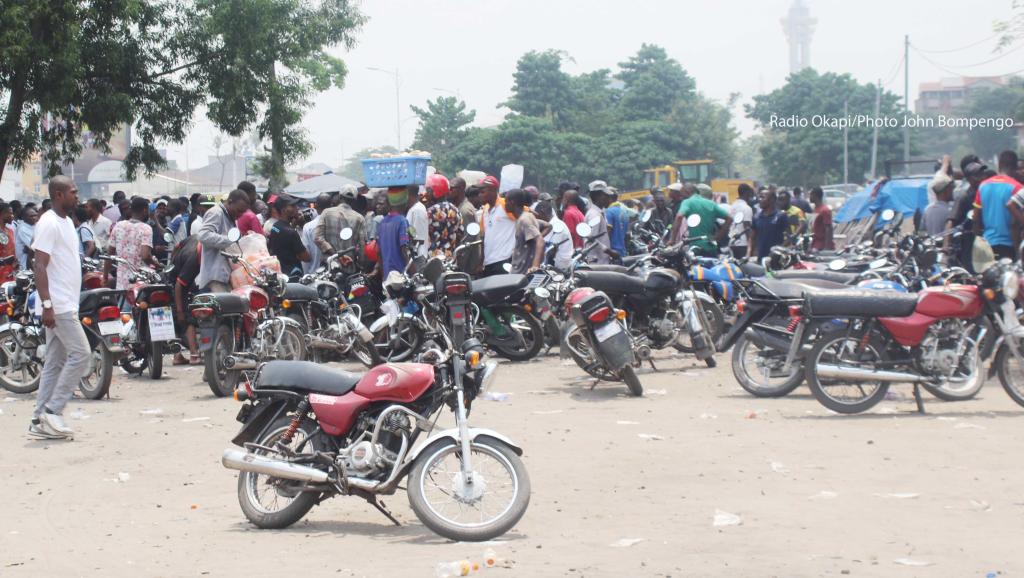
pixel 384 379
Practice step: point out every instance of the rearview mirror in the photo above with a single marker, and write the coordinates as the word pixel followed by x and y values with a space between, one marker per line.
pixel 888 215
pixel 645 216
pixel 507 267
pixel 168 238
pixel 737 218
pixel 584 230
pixel 837 264
pixel 693 220
pixel 346 234
pixel 234 235
pixel 473 229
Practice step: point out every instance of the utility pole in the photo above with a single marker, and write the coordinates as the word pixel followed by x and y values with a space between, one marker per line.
pixel 906 103
pixel 874 138
pixel 398 102
pixel 846 143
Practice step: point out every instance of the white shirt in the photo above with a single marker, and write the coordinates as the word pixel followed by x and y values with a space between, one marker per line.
pixel 309 240
pixel 499 234
pixel 57 238
pixel 740 206
pixel 417 217
pixel 100 230
pixel 194 229
pixel 559 236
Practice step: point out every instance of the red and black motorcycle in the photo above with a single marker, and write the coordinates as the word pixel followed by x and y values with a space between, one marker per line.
pixel 311 433
pixel 150 331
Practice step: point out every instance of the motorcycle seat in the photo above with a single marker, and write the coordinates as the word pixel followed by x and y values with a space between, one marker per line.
pixel 607 268
pixel 834 276
pixel 631 259
pixel 497 288
pixel 306 376
pixel 611 282
pixel 752 270
pixel 860 303
pixel 795 289
pixel 227 303
pixel 89 301
pixel 300 292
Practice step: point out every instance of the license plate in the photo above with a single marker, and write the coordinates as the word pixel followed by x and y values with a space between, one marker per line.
pixel 110 327
pixel 608 331
pixel 161 324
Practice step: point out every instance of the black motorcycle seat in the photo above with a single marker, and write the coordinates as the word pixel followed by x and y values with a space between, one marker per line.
pixel 631 259
pixel 497 288
pixel 300 292
pixel 227 303
pixel 89 301
pixel 860 303
pixel 306 376
pixel 607 268
pixel 796 289
pixel 752 270
pixel 610 282
pixel 834 276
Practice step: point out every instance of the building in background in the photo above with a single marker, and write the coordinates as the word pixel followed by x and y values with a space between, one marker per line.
pixel 799 29
pixel 948 94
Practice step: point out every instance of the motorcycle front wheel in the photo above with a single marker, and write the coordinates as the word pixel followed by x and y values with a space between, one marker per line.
pixel 274 503
pixel 463 512
pixel 714 320
pixel 24 378
pixel 520 323
pixel 400 342
pixel 1011 372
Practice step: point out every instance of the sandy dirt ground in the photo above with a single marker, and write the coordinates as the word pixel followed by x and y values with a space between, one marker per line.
pixel 621 486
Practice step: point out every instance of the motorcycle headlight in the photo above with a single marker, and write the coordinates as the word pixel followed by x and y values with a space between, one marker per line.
pixel 542 293
pixel 1011 284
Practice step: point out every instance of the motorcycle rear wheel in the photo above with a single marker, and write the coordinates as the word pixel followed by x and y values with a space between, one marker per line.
pixel 399 343
pixel 632 381
pixel 714 320
pixel 222 381
pixel 274 516
pixel 96 383
pixel 155 359
pixel 746 352
pixel 863 396
pixel 579 343
pixel 526 325
pixel 430 472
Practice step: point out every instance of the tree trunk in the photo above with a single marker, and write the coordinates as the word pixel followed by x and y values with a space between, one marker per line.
pixel 12 119
pixel 276 183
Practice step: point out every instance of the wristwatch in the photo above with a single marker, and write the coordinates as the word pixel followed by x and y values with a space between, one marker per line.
pixel 47 304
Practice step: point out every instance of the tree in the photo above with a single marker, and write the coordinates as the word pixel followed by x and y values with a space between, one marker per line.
pixel 442 123
pixel 653 84
pixel 260 62
pixel 540 87
pixel 353 168
pixel 67 68
pixel 813 155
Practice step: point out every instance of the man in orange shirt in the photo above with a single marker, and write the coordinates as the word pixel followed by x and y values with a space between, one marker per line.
pixel 6 243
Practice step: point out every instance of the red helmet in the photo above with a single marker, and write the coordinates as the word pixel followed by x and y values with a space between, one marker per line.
pixel 371 251
pixel 438 184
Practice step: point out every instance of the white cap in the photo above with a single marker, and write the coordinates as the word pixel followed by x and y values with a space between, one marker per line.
pixel 675 187
pixel 939 182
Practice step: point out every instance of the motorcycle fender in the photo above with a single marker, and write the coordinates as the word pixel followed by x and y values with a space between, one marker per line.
pixel 258 419
pixel 474 433
pixel 204 335
pixel 684 296
pixel 7 326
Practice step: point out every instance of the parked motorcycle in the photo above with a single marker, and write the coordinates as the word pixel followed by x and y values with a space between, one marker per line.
pixel 240 329
pixel 311 433
pixel 149 332
pixel 600 341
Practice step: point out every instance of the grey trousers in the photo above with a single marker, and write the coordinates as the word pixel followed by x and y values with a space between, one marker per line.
pixel 67 361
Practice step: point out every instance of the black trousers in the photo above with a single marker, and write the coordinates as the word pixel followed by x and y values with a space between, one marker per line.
pixel 497 268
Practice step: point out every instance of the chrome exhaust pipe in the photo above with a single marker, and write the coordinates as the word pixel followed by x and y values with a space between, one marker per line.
pixel 249 462
pixel 233 363
pixel 829 370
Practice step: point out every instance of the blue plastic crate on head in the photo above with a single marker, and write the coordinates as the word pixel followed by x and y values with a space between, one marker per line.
pixel 395 171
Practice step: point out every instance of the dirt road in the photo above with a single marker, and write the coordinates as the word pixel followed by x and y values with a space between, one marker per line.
pixel 621 487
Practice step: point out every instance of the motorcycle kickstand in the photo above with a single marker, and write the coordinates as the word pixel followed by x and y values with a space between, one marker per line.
pixel 917 398
pixel 651 361
pixel 382 509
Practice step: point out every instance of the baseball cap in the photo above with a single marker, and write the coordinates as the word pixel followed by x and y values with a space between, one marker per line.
pixel 207 200
pixel 597 186
pixel 974 168
pixel 349 191
pixel 675 187
pixel 939 182
pixel 489 181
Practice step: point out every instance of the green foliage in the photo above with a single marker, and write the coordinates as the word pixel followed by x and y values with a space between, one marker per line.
pixel 442 124
pixel 812 155
pixel 596 125
pixel 353 168
pixel 95 65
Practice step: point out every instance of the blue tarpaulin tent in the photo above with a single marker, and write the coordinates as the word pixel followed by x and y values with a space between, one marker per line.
pixel 901 195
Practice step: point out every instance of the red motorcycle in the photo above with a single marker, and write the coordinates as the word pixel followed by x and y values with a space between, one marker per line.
pixel 311 433
pixel 937 339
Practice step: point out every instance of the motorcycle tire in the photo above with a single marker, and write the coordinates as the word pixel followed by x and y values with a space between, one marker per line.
pixel 155 359
pixel 422 473
pixel 222 382
pixel 533 342
pixel 96 383
pixel 743 375
pixel 1003 362
pixel 715 320
pixel 552 332
pixel 249 482
pixel 30 373
pixel 298 346
pixel 366 353
pixel 587 363
pixel 398 350
pixel 959 392
pixel 636 389
pixel 827 397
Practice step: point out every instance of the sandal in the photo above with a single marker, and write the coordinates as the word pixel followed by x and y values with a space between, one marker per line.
pixel 196 360
pixel 179 360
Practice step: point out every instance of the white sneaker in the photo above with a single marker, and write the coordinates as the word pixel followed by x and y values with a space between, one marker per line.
pixel 56 423
pixel 38 429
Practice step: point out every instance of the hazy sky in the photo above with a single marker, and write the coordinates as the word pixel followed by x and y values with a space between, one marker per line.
pixel 470 47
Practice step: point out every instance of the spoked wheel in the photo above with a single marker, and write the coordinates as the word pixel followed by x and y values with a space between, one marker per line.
pixel 96 382
pixel 845 395
pixel 524 335
pixel 399 342
pixel 292 346
pixel 971 376
pixel 714 321
pixel 270 502
pixel 759 370
pixel 578 342
pixel 469 512
pixel 1011 372
pixel 366 353
pixel 18 372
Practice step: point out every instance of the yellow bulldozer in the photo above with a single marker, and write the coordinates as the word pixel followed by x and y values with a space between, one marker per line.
pixel 692 171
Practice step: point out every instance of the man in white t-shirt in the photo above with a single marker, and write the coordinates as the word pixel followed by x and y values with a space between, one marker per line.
pixel 499 228
pixel 97 223
pixel 417 217
pixel 58 276
pixel 558 237
pixel 740 232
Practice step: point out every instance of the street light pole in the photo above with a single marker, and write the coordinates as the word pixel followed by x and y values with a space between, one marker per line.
pixel 398 102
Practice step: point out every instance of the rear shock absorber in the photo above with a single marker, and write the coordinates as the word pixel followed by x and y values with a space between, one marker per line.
pixel 300 412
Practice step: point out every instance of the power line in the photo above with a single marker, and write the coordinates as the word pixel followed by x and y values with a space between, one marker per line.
pixel 947 51
pixel 953 72
pixel 976 64
pixel 895 71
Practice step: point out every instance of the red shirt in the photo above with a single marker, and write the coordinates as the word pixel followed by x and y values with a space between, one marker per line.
pixel 822 219
pixel 572 217
pixel 7 250
pixel 249 222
